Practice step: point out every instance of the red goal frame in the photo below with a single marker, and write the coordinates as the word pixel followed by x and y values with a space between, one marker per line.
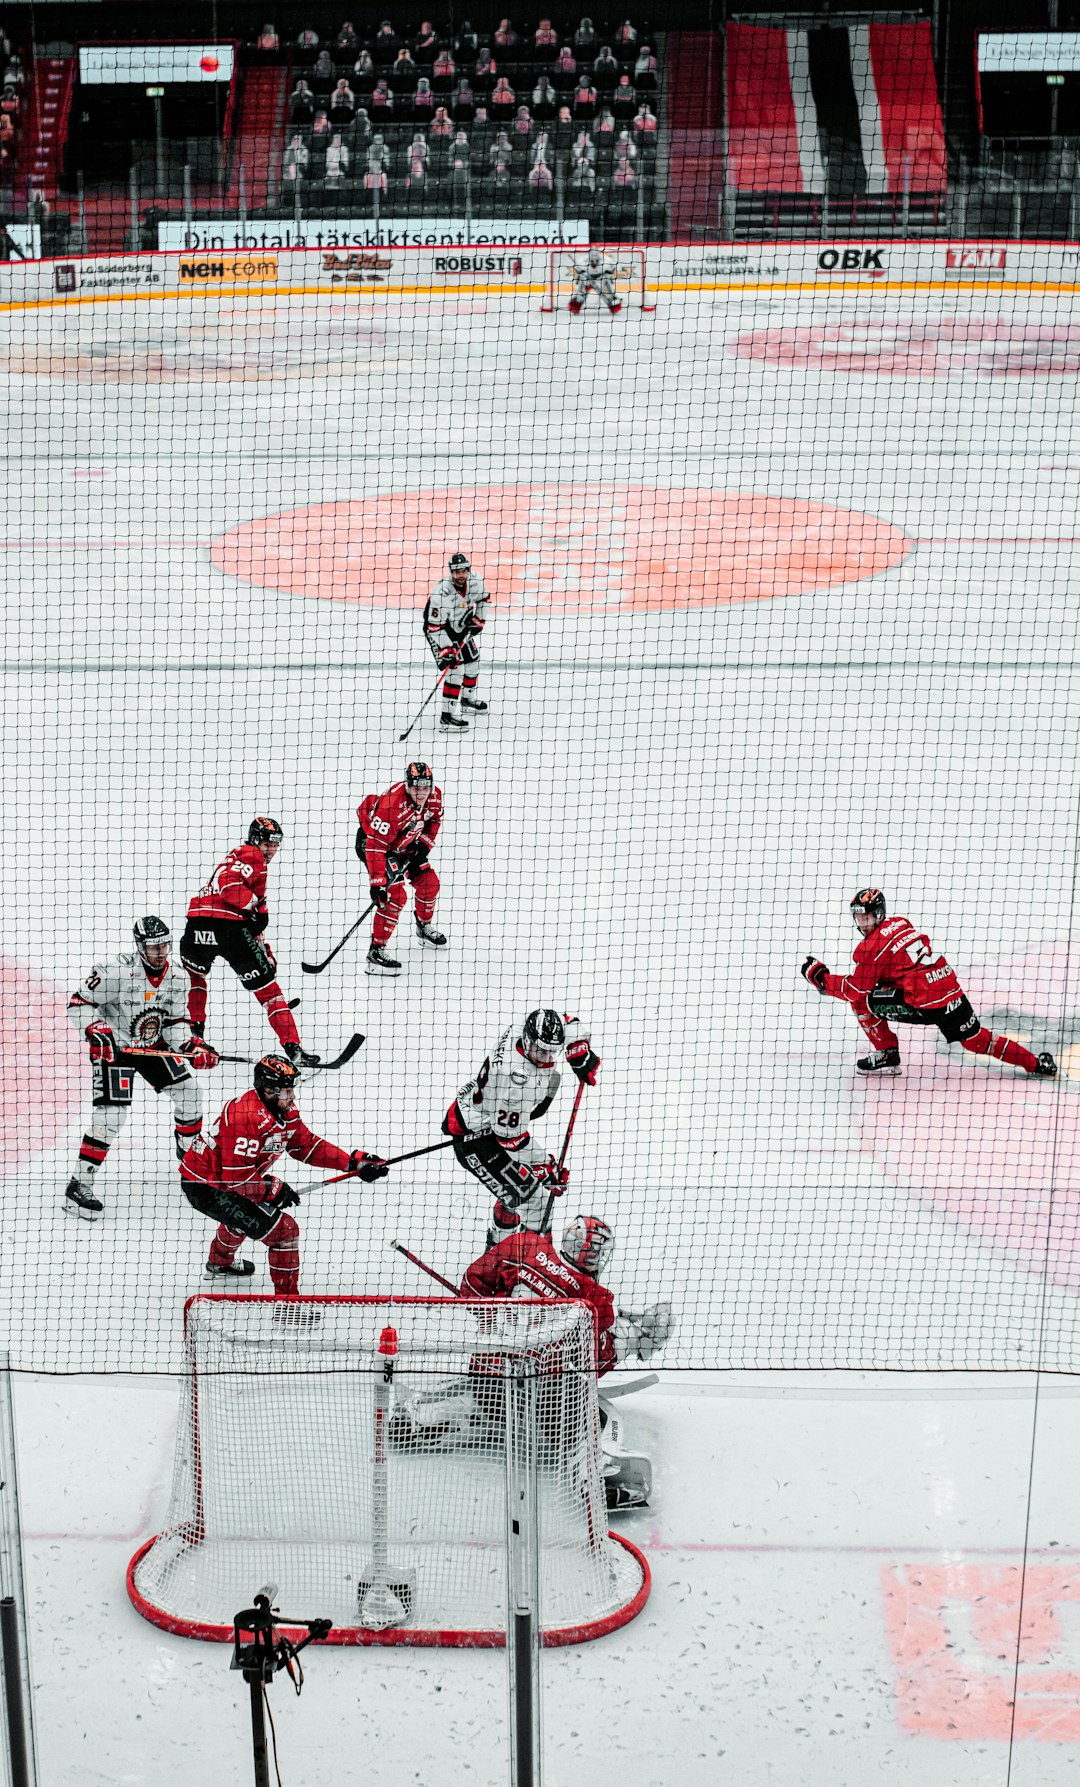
pixel 631 275
pixel 447 1638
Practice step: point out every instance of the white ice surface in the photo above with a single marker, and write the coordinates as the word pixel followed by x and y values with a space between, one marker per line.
pixel 662 814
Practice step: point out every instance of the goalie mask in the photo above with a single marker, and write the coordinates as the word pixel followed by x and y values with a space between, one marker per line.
pixel 587 1244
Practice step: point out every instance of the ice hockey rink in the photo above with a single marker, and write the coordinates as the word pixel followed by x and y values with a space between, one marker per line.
pixel 785 603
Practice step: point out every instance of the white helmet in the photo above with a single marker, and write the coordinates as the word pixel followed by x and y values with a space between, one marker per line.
pixel 587 1244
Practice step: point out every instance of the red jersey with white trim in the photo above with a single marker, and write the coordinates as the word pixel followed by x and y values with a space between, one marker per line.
pixel 392 825
pixel 236 889
pixel 899 954
pixel 245 1142
pixel 527 1265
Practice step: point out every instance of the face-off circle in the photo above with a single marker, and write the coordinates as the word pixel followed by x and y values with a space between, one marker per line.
pixel 986 1145
pixel 564 548
pixel 920 348
pixel 42 1068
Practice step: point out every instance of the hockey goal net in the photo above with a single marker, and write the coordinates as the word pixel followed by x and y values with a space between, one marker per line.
pixel 629 270
pixel 366 1478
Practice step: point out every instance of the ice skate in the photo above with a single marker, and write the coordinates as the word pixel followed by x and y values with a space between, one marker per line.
pixel 886 1061
pixel 428 934
pixel 478 707
pixel 378 962
pixel 82 1202
pixel 299 1056
pixel 449 720
pixel 236 1269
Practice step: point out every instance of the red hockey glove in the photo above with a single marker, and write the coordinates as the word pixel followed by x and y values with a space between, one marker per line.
pixel 548 1172
pixel 280 1195
pixel 369 1167
pixel 584 1060
pixel 449 656
pixel 102 1042
pixel 815 972
pixel 199 1054
pixel 380 896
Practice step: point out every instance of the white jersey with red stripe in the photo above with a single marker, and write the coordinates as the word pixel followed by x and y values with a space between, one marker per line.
pixel 133 1000
pixel 451 613
pixel 509 1088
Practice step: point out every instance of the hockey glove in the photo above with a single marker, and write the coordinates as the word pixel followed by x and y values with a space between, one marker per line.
pixel 358 846
pixel 280 1195
pixel 815 972
pixel 102 1042
pixel 257 923
pixel 369 1167
pixel 584 1060
pixel 199 1054
pixel 418 855
pixel 548 1172
pixel 380 896
pixel 449 657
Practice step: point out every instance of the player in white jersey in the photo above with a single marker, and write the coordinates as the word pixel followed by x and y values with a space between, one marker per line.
pixel 594 274
pixel 491 1116
pixel 125 1008
pixel 454 618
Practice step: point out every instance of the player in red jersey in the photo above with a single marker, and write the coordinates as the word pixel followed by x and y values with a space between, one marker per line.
pixel 227 918
pixel 898 975
pixel 526 1264
pixel 226 1175
pixel 397 830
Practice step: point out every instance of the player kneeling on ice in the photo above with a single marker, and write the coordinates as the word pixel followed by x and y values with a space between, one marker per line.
pixel 490 1117
pixel 454 618
pixel 124 1008
pixel 226 1175
pixel 531 1266
pixel 897 975
pixel 397 830
pixel 594 274
pixel 227 918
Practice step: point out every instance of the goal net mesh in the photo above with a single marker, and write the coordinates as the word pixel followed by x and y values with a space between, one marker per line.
pixel 280 1476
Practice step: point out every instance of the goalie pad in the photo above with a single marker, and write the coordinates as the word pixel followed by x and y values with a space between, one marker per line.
pixel 627 1473
pixel 639 1333
pixel 888 1002
pixel 436 1418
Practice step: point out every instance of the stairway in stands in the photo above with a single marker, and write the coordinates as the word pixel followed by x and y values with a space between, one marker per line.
pixel 693 65
pixel 51 90
pixel 258 138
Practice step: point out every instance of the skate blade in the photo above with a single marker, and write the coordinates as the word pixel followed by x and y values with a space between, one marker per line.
pixel 378 973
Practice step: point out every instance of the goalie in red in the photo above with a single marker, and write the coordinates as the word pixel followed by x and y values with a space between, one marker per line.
pixel 897 975
pixel 226 1175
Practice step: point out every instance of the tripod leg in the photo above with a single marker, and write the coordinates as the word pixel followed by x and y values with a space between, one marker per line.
pixel 258 1732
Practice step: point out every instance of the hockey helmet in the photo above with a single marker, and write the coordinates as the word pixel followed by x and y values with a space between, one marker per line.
pixel 275 1080
pixel 459 567
pixel 152 939
pixel 418 772
pixel 868 909
pixel 263 831
pixel 543 1035
pixel 587 1244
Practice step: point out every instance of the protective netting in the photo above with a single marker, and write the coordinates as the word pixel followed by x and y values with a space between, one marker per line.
pixel 287 1461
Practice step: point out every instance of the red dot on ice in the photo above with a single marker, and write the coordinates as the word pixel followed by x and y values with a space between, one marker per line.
pixel 607 548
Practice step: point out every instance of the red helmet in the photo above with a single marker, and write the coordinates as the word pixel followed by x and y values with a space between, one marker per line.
pixel 587 1244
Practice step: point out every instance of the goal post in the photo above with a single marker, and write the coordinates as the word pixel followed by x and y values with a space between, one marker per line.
pixel 362 1452
pixel 630 271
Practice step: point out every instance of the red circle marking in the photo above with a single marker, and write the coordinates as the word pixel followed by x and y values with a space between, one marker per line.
pixel 988 1145
pixel 566 548
pixel 920 348
pixel 209 64
pixel 41 1065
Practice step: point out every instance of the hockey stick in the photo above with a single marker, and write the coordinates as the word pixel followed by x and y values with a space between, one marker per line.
pixel 545 1226
pixel 402 736
pixel 430 1270
pixel 632 1385
pixel 397 1159
pixel 317 967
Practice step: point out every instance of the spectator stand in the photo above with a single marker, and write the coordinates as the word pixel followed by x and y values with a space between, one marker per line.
pixel 542 123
